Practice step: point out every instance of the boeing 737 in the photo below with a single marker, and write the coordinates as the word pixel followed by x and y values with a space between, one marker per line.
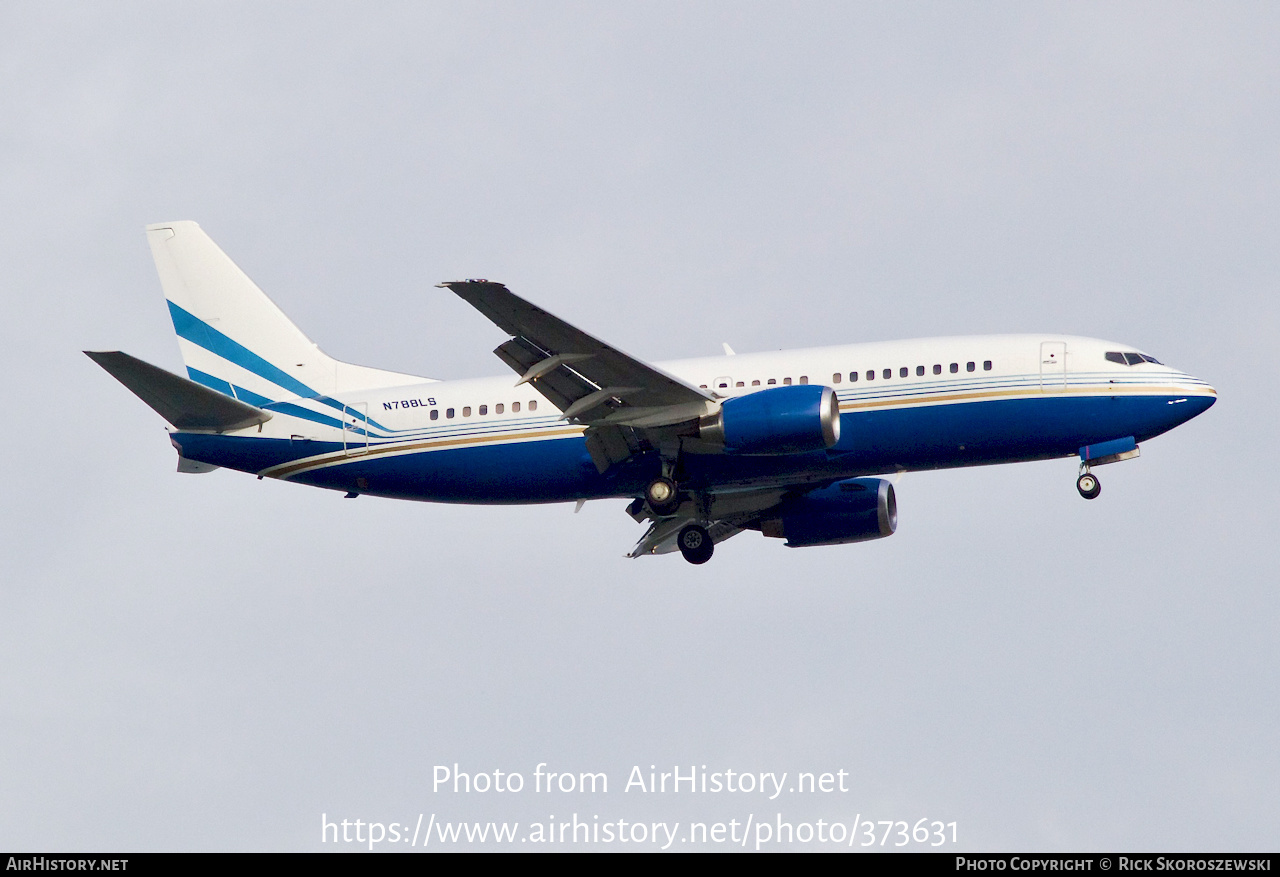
pixel 792 444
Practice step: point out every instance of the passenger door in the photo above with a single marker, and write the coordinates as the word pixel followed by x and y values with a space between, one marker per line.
pixel 355 433
pixel 1053 366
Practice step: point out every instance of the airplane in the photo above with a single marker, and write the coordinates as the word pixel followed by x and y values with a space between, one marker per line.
pixel 793 444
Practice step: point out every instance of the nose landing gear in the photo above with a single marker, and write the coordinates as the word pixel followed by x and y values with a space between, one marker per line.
pixel 1088 485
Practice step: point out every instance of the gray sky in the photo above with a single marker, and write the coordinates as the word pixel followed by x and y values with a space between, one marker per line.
pixel 210 663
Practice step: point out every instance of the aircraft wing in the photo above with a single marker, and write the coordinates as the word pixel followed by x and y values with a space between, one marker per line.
pixel 591 382
pixel 660 538
pixel 724 513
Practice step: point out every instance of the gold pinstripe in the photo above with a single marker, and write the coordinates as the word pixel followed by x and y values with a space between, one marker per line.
pixel 293 468
pixel 975 395
pixel 286 470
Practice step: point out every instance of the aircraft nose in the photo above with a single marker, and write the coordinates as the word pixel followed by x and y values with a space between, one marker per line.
pixel 1203 396
pixel 1198 404
pixel 1207 392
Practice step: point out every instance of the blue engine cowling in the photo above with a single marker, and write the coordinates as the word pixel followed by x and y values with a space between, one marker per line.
pixel 853 510
pixel 781 420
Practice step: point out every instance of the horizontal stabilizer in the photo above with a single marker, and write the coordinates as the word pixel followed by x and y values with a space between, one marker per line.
pixel 183 403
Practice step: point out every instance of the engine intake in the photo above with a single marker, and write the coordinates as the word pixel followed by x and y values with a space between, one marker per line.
pixel 782 420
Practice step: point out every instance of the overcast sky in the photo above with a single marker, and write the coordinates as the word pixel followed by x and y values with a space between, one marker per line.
pixel 212 662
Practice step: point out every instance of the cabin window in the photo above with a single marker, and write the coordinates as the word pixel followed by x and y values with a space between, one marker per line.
pixel 968 366
pixel 919 370
pixel 739 384
pixel 835 378
pixel 871 374
pixel 449 414
pixel 435 413
pixel 497 409
pixel 937 368
pixel 533 404
pixel 702 386
pixel 772 381
pixel 466 411
pixel 755 383
pixel 986 365
pixel 888 373
pixel 955 367
pixel 484 409
pixel 903 372
pixel 515 407
pixel 804 379
pixel 786 382
pixel 853 377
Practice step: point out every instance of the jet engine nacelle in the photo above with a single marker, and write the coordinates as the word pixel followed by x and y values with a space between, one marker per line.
pixel 782 420
pixel 854 510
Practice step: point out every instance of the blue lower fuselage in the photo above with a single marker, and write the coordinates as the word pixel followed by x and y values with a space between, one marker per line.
pixel 557 469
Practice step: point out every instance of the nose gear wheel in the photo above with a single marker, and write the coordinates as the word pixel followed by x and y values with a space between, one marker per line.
pixel 1088 485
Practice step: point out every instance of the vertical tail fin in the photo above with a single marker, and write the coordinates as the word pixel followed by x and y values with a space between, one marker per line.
pixel 235 339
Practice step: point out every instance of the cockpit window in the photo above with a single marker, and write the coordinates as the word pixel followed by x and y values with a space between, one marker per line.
pixel 1130 358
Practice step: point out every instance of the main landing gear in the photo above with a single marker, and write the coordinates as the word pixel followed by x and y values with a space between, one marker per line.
pixel 663 499
pixel 1088 485
pixel 695 543
pixel 662 496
